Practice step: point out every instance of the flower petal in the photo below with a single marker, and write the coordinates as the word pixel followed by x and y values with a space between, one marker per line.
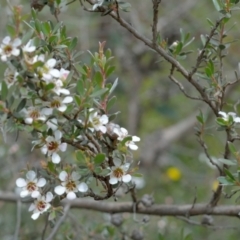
pixel 113 180
pixel 59 190
pixel 63 147
pixel 41 182
pixel 71 195
pixel 63 176
pixel 82 187
pixel 56 158
pixel 126 178
pixel 21 182
pixel 35 194
pixel 31 175
pixel 35 215
pixel 75 176
pixel 24 193
pixel 49 197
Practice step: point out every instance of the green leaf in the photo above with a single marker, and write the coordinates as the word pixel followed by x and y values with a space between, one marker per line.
pixel 227 161
pixel 98 93
pixel 225 182
pixel 11 30
pixel 77 100
pixel 80 87
pixel 110 70
pixel 73 43
pixel 160 236
pixel 232 148
pixel 21 105
pixel 99 159
pixel 217 5
pixel 114 86
pixel 80 157
pixel 229 174
pixel 4 91
pixel 111 102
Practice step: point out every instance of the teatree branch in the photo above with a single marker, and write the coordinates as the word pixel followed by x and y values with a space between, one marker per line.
pixel 154 210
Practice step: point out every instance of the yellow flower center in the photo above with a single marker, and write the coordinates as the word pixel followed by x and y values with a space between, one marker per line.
pixel 118 173
pixel 55 104
pixel 52 146
pixel 34 114
pixel 31 186
pixel 71 185
pixel 41 205
pixel 8 49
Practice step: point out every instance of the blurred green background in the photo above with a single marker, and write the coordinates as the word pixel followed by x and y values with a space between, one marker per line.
pixel 152 107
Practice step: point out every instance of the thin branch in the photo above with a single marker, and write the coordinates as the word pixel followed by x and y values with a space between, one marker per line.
pixel 192 222
pixel 181 87
pixel 59 222
pixel 155 20
pixel 201 55
pixel 18 218
pixel 154 210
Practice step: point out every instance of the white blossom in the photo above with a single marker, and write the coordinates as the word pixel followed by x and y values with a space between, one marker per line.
pixel 30 185
pixel 226 116
pixel 58 88
pixel 53 145
pixel 33 114
pixel 100 3
pixel 47 72
pixel 9 48
pixel 119 172
pixel 29 47
pixel 41 205
pixel 97 122
pixel 10 77
pixel 70 185
pixel 57 103
pixel 123 133
pixel 63 74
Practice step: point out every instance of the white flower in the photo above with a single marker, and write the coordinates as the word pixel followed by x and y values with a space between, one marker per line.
pixel 100 3
pixel 119 172
pixel 29 47
pixel 57 103
pixel 47 72
pixel 123 133
pixel 53 145
pixel 10 77
pixel 97 122
pixel 226 116
pixel 33 114
pixel 70 185
pixel 41 205
pixel 58 88
pixel 31 185
pixel 53 124
pixel 9 47
pixel 139 182
pixel 63 74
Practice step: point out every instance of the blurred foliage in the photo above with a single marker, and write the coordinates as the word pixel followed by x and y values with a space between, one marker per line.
pixel 143 87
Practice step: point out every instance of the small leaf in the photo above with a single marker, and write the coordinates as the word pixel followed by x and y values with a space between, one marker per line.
pixel 227 161
pixel 217 5
pixel 4 91
pixel 232 147
pixel 114 86
pixel 80 157
pixel 98 93
pixel 225 182
pixel 99 159
pixel 21 105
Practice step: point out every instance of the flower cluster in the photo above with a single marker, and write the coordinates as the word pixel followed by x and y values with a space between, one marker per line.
pixel 227 119
pixel 57 118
